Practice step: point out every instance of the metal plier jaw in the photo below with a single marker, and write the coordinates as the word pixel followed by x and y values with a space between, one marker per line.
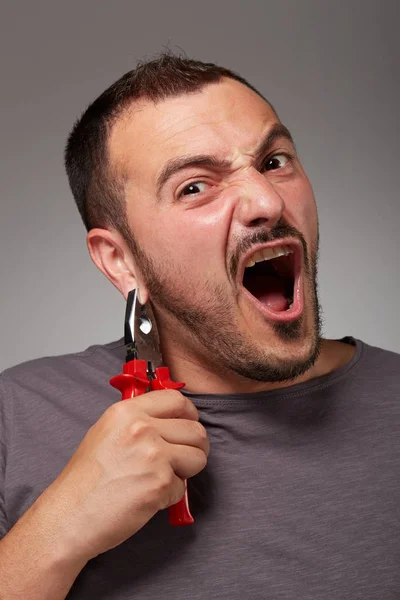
pixel 143 372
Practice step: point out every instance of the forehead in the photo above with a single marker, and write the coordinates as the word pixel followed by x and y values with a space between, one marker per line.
pixel 225 119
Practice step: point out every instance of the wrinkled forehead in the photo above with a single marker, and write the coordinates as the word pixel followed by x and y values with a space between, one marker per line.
pixel 224 119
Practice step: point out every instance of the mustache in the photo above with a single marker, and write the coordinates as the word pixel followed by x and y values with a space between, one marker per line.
pixel 264 236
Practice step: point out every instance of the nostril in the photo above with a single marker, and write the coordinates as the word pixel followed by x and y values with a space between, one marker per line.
pixel 259 221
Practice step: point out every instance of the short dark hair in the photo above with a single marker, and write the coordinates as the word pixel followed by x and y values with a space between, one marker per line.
pixel 97 189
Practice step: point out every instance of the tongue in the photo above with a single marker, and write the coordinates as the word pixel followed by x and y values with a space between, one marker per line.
pixel 270 291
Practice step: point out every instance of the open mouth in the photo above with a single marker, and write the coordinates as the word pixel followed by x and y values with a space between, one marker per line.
pixel 272 279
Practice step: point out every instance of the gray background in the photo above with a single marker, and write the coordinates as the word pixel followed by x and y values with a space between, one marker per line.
pixel 329 67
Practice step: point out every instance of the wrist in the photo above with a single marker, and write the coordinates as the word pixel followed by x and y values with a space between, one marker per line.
pixel 37 560
pixel 55 520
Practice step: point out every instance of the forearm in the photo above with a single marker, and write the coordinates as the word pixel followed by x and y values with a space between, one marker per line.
pixel 36 559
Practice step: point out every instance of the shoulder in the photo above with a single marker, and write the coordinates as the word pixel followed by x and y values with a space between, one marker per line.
pixel 58 395
pixel 376 383
pixel 53 374
pixel 379 362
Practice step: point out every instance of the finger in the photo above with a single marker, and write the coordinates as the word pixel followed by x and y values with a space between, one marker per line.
pixel 187 461
pixel 183 432
pixel 165 404
pixel 177 491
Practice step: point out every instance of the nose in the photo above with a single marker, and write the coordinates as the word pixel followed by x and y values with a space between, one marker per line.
pixel 259 202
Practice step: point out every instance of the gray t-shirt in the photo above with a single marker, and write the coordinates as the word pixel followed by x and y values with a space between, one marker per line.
pixel 299 499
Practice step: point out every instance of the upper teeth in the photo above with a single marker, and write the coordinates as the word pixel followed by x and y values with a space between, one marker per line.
pixel 267 254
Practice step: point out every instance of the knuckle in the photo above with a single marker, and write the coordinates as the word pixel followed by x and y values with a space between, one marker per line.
pixel 201 435
pixel 116 411
pixel 153 453
pixel 140 428
pixel 180 402
pixel 184 407
pixel 177 491
pixel 202 461
pixel 166 481
pixel 159 487
pixel 200 432
pixel 170 489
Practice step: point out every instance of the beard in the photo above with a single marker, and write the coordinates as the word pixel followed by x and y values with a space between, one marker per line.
pixel 209 316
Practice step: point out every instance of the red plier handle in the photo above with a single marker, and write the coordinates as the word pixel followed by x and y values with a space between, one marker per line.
pixel 134 382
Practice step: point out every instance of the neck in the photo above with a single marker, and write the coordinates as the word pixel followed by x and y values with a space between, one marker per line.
pixel 203 378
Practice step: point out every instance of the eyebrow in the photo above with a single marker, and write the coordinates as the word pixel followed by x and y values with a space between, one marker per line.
pixel 175 165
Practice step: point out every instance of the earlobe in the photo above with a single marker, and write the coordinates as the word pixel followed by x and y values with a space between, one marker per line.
pixel 109 252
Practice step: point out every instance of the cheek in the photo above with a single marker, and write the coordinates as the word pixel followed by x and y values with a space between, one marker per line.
pixel 185 245
pixel 302 209
pixel 309 214
pixel 194 238
pixel 181 249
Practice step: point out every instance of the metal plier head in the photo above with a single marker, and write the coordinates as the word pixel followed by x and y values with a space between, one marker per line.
pixel 143 372
pixel 141 334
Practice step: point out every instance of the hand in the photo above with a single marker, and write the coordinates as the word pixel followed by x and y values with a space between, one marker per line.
pixel 131 464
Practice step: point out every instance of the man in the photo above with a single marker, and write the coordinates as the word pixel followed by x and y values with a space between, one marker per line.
pixel 192 191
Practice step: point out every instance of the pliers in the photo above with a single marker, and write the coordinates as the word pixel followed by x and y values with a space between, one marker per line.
pixel 142 372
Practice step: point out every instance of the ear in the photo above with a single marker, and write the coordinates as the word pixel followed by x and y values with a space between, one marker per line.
pixel 111 255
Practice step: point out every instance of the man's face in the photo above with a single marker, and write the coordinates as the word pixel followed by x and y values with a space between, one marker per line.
pixel 197 221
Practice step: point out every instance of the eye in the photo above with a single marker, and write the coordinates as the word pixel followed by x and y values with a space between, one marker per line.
pixel 193 188
pixel 278 161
